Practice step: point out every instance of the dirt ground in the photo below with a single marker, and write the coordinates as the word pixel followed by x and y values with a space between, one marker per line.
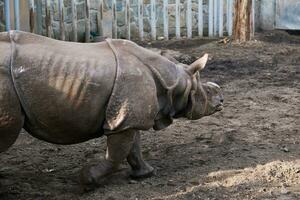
pixel 250 150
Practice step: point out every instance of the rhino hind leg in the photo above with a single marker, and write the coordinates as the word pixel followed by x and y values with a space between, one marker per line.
pixel 11 117
pixel 118 148
pixel 140 168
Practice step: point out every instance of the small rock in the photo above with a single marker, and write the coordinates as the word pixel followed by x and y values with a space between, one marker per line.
pixel 171 183
pixel 48 170
pixel 284 191
pixel 132 181
pixel 285 149
pixel 194 181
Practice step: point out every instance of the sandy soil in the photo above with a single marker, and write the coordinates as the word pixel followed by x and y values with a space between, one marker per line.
pixel 250 150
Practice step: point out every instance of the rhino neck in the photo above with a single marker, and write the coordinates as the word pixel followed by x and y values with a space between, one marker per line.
pixel 182 93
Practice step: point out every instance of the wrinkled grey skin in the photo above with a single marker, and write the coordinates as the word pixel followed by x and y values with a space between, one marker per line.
pixel 66 93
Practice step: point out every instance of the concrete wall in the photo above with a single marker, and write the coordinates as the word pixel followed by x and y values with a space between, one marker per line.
pixel 266 10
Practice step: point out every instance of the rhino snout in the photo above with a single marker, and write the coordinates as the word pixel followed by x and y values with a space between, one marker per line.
pixel 219 106
pixel 214 97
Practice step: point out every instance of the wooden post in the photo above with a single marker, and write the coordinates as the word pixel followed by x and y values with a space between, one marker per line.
pixel 141 18
pixel 39 21
pixel 200 18
pixel 74 20
pixel 166 19
pixel 229 17
pixel 221 18
pixel 32 16
pixel 114 19
pixel 100 18
pixel 7 15
pixel 243 26
pixel 17 14
pixel 153 19
pixel 87 21
pixel 189 18
pixel 127 19
pixel 61 20
pixel 210 18
pixel 48 21
pixel 216 2
pixel 177 16
pixel 253 16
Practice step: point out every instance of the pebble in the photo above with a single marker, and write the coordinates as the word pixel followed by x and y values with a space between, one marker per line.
pixel 171 183
pixel 285 149
pixel 132 181
pixel 284 191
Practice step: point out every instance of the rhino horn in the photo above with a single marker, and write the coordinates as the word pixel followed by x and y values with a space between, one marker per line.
pixel 199 64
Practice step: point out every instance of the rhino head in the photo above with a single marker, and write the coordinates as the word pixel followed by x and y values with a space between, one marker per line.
pixel 204 98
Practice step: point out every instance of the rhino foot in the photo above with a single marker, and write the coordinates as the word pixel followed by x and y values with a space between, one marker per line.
pixel 140 168
pixel 118 148
pixel 94 175
pixel 144 172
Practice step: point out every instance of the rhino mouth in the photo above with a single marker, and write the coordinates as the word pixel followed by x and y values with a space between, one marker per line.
pixel 219 107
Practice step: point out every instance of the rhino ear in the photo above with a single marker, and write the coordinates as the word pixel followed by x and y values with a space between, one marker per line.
pixel 199 64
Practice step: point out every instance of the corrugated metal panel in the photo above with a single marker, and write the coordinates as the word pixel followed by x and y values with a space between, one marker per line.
pixel 288 14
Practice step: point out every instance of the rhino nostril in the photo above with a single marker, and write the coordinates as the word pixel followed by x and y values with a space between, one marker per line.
pixel 221 100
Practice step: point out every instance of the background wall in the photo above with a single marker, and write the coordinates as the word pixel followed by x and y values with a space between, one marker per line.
pixel 265 17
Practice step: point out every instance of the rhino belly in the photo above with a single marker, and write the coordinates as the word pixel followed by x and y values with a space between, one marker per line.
pixel 63 96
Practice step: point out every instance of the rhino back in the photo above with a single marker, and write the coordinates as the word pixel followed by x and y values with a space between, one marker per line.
pixel 64 87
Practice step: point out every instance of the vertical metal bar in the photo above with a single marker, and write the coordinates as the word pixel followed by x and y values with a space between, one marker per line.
pixel 200 18
pixel 177 16
pixel 210 18
pixel 141 18
pixel 74 20
pixel 153 20
pixel 100 18
pixel 127 18
pixel 215 17
pixel 253 16
pixel 7 15
pixel 87 21
pixel 114 19
pixel 166 19
pixel 17 14
pixel 229 17
pixel 189 18
pixel 221 18
pixel 31 16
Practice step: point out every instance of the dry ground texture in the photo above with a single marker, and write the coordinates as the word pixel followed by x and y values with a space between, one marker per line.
pixel 250 150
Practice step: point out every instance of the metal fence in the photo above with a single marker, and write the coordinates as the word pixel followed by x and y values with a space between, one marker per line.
pixel 218 18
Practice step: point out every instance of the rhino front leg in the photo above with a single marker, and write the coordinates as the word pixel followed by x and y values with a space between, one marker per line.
pixel 118 148
pixel 140 168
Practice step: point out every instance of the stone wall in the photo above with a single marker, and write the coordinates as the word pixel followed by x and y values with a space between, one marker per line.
pixel 94 11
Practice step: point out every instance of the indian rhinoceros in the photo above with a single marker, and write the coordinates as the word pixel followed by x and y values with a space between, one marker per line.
pixel 67 93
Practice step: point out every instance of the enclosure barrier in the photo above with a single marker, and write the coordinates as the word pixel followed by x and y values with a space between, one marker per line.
pixel 214 8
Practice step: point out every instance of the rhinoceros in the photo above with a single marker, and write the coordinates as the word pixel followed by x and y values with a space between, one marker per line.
pixel 67 93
